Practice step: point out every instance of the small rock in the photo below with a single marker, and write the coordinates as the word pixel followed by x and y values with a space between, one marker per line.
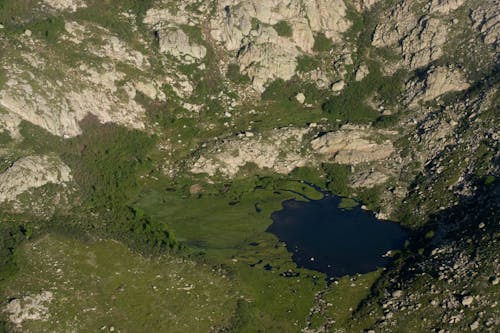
pixel 338 86
pixel 249 134
pixel 301 98
pixel 482 225
pixel 27 33
pixel 467 300
pixel 494 280
pixel 195 189
pixel 362 72
pixel 397 293
pixel 474 326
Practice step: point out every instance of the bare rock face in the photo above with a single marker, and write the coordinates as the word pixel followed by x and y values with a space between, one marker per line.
pixel 268 57
pixel 362 5
pixel 438 81
pixel 177 43
pixel 10 123
pixel 445 6
pixel 245 27
pixel 424 43
pixel 327 16
pixel 114 48
pixel 368 179
pixel 361 72
pixel 169 22
pixel 279 150
pixel 400 21
pixel 486 19
pixel 35 96
pixel 33 307
pixel 420 38
pixel 31 172
pixel 69 5
pixel 352 145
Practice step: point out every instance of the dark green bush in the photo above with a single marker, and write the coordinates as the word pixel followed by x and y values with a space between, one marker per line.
pixel 283 29
pixel 351 105
pixel 337 178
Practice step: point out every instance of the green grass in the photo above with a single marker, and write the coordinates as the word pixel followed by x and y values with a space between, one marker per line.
pixel 348 203
pixel 227 233
pixel 102 284
pixel 233 74
pixel 346 296
pixel 5 138
pixel 322 43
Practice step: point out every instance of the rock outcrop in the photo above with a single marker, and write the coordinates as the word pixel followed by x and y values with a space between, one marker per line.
pixel 169 22
pixel 486 19
pixel 177 43
pixel 245 27
pixel 37 97
pixel 32 172
pixel 420 37
pixel 438 81
pixel 69 5
pixel 278 150
pixel 352 145
pixel 33 307
pixel 424 43
pixel 445 6
pixel 362 5
pixel 368 179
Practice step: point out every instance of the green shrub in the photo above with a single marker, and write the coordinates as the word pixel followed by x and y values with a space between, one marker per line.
pixel 337 178
pixel 283 29
pixel 351 105
pixel 105 160
pixel 488 180
pixel 11 235
pixel 387 121
pixel 371 197
pixel 149 233
pixel 255 23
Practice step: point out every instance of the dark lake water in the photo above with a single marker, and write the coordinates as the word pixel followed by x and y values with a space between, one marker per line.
pixel 335 241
